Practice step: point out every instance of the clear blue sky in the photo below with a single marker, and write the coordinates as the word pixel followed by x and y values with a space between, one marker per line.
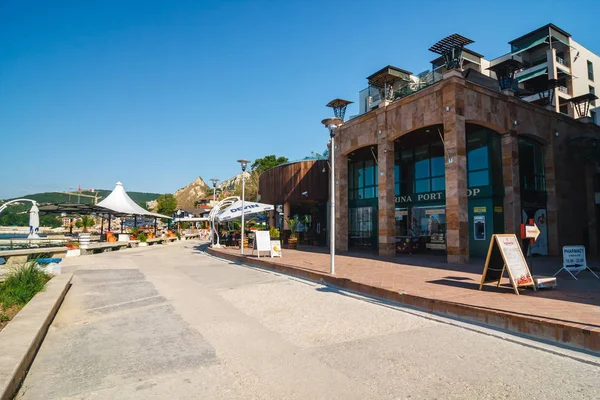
pixel 156 93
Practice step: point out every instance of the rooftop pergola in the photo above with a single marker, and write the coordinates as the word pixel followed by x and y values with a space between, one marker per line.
pixel 451 48
pixel 505 72
pixel 582 103
pixel 385 78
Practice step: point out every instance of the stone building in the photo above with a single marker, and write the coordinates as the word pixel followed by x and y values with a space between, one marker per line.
pixel 454 159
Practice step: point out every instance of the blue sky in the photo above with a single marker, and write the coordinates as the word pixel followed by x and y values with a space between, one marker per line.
pixel 156 93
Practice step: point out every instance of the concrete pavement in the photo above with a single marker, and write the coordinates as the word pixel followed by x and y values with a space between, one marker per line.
pixel 172 322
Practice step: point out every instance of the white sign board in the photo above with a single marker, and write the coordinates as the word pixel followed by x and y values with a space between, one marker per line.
pixel 262 241
pixel 574 260
pixel 275 248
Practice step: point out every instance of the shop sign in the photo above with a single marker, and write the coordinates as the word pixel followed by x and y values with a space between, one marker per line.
pixel 435 211
pixel 479 210
pixel 431 196
pixel 498 209
pixel 261 242
pixel 505 254
pixel 574 261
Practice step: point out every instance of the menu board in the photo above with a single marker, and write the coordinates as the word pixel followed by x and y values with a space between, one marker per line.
pixel 262 241
pixel 275 248
pixel 505 254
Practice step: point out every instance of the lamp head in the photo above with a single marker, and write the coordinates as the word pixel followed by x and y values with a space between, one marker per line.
pixel 332 124
pixel 244 163
pixel 214 181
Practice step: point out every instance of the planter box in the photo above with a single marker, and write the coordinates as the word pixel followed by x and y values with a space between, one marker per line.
pixel 143 244
pixel 73 253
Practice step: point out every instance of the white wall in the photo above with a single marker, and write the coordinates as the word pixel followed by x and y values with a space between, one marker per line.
pixel 580 80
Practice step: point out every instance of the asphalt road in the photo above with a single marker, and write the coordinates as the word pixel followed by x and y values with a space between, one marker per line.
pixel 173 323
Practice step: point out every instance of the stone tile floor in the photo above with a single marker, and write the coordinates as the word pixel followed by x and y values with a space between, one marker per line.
pixel 573 302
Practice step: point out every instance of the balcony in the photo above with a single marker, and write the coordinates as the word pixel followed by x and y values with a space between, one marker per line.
pixel 562 61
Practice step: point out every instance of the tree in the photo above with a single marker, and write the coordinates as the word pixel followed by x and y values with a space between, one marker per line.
pixel 167 204
pixel 260 165
pixel 251 187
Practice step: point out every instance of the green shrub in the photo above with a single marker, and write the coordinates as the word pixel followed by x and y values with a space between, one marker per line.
pixel 178 235
pixel 21 284
pixel 142 237
pixel 274 233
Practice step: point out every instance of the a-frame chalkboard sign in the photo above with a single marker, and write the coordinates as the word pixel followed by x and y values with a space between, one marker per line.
pixel 505 254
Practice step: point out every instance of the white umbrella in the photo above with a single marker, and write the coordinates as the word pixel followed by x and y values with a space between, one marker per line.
pixel 234 211
pixel 34 222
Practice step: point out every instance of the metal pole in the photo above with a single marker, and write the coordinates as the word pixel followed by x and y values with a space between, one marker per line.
pixel 243 193
pixel 332 208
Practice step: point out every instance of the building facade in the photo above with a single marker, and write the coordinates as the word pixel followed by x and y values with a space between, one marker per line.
pixel 449 160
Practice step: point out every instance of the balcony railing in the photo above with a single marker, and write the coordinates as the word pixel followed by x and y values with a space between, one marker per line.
pixel 562 61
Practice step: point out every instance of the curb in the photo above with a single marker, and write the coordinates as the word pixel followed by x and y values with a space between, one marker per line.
pixel 22 337
pixel 555 332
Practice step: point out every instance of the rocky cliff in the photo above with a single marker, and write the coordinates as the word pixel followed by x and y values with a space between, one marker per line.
pixel 187 196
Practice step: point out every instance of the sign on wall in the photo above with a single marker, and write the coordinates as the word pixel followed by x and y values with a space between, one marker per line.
pixel 505 254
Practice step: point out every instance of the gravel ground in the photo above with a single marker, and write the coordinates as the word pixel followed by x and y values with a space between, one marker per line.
pixel 172 322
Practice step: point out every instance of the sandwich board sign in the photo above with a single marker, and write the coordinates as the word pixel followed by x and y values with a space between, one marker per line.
pixel 505 254
pixel 574 261
pixel 275 248
pixel 262 242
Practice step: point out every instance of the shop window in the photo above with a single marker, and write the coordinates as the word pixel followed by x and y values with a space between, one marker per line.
pixel 531 165
pixel 478 173
pixel 363 180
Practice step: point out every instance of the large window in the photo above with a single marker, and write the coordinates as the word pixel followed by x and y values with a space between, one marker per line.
pixel 362 182
pixel 478 163
pixel 420 170
pixel 590 68
pixel 531 165
pixel 592 91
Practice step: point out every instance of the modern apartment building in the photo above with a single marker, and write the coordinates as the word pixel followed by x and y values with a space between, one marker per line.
pixel 545 54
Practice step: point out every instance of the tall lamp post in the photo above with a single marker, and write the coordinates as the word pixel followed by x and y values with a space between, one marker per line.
pixel 244 163
pixel 332 124
pixel 214 182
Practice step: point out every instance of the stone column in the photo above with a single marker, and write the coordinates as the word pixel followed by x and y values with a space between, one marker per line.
pixel 386 204
pixel 590 202
pixel 551 202
pixel 272 219
pixel 341 198
pixel 511 181
pixel 287 210
pixel 457 221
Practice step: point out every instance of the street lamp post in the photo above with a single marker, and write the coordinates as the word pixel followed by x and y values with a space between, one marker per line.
pixel 244 163
pixel 214 182
pixel 332 124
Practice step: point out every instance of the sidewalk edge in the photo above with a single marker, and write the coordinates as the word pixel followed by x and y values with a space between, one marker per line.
pixel 23 336
pixel 577 337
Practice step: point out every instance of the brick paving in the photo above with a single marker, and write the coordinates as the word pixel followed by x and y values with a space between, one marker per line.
pixel 571 309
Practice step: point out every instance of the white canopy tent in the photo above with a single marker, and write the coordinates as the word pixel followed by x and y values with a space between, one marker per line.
pixel 119 202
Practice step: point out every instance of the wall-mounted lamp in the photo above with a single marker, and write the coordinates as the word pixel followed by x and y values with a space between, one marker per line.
pixel 379 131
pixel 515 122
pixel 447 108
pixel 556 134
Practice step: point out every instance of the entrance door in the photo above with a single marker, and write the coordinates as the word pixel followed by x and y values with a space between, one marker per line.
pixel 362 227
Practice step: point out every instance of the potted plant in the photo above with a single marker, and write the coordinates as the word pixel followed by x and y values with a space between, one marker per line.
pixel 85 222
pixel 134 233
pixel 293 224
pixel 143 239
pixel 72 245
pixel 274 233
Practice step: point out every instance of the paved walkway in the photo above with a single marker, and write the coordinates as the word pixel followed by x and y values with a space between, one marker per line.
pixel 172 323
pixel 574 303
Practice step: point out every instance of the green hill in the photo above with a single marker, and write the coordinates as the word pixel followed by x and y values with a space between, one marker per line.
pixel 55 197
